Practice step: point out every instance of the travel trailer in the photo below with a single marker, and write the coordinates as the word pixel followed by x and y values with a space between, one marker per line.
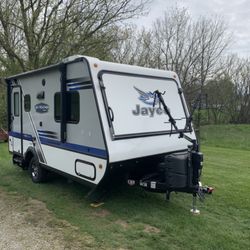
pixel 89 119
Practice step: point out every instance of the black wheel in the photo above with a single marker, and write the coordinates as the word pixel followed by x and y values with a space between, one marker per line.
pixel 37 173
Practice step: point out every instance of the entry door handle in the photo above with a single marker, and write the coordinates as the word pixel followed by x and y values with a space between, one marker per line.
pixel 111 114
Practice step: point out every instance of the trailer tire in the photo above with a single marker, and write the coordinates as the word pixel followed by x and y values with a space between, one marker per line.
pixel 37 173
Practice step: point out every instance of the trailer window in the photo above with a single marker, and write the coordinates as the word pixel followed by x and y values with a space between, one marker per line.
pixel 16 104
pixel 130 97
pixel 27 104
pixel 73 107
pixel 57 106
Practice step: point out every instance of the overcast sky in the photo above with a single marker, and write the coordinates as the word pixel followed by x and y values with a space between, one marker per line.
pixel 236 14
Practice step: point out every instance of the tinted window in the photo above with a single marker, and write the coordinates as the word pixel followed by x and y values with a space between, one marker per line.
pixel 27 104
pixel 73 107
pixel 16 104
pixel 57 102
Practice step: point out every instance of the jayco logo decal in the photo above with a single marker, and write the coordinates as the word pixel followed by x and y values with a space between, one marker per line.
pixel 149 99
pixel 42 108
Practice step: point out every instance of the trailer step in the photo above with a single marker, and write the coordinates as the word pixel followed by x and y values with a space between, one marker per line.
pixel 18 161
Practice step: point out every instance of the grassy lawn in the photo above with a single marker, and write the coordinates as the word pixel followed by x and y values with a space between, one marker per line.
pixel 226 136
pixel 134 219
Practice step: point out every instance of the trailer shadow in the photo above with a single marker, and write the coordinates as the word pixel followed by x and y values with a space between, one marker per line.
pixel 121 200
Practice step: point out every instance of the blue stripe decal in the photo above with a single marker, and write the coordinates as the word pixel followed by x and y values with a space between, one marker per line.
pixel 46 131
pixel 75 147
pixel 48 136
pixel 74 84
pixel 83 87
pixel 67 146
pixel 18 135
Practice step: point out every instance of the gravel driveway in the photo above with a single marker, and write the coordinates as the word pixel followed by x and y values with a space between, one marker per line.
pixel 28 224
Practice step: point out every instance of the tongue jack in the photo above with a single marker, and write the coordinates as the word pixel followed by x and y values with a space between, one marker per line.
pixel 194 209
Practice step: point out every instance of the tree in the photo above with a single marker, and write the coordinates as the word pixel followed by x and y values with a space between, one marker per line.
pixel 35 33
pixel 238 69
pixel 220 92
pixel 190 48
pixel 133 47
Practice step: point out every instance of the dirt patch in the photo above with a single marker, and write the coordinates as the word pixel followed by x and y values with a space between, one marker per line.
pixel 151 229
pixel 28 224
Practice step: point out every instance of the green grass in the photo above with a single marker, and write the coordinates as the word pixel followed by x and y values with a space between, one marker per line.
pixel 123 221
pixel 226 136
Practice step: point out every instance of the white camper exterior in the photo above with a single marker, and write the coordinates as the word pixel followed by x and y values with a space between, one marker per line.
pixel 84 117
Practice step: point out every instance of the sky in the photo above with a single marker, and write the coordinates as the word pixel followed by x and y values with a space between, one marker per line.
pixel 235 13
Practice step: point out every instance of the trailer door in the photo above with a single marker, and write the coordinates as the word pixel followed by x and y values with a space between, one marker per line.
pixel 17 119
